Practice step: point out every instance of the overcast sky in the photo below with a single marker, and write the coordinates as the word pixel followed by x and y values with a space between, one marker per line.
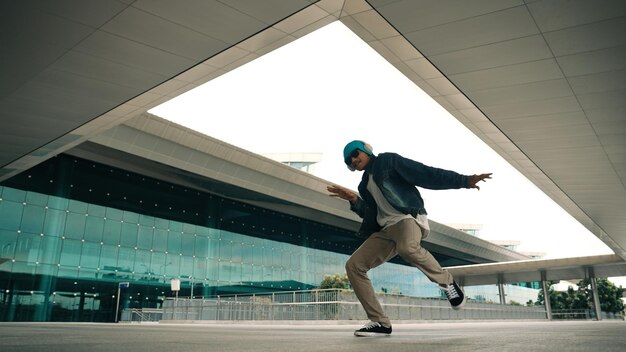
pixel 321 91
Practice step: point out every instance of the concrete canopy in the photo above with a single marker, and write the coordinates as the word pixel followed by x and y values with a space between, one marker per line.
pixel 541 82
pixel 537 270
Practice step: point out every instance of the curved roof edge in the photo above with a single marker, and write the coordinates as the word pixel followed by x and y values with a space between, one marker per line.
pixel 267 183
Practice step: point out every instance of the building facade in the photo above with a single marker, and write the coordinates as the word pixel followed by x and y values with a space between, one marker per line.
pixel 72 229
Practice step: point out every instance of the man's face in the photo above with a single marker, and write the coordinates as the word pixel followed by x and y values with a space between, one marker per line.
pixel 359 160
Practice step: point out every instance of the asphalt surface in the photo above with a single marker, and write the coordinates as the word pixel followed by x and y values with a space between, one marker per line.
pixel 528 336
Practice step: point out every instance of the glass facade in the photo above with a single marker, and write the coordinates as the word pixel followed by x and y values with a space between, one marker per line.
pixel 71 230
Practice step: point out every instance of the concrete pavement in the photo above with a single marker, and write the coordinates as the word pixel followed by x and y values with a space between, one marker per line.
pixel 528 336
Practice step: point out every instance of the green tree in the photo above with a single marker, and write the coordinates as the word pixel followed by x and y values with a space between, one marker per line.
pixel 554 299
pixel 608 294
pixel 335 281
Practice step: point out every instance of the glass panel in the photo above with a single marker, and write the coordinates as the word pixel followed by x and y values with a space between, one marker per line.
pixel 144 237
pixel 187 244
pixel 126 259
pixel 129 234
pixel 201 247
pixel 142 262
pixel 225 249
pixel 58 203
pixel 85 274
pixel 214 249
pixel 27 249
pixel 70 253
pixel 12 194
pixel 173 242
pixel 108 257
pixel 129 216
pixel 90 256
pixel 212 269
pixel 54 225
pixel 236 252
pixel 172 267
pixel 8 242
pixel 186 266
pixel 189 228
pixel 160 240
pixel 50 249
pixel 96 210
pixel 246 273
pixel 33 219
pixel 158 264
pixel 267 254
pixel 200 268
pixel 112 231
pixel 11 215
pixel 77 207
pixel 161 223
pixel 94 227
pixel 146 220
pixel 23 268
pixel 224 272
pixel 114 214
pixel 175 226
pixel 75 226
pixel 68 272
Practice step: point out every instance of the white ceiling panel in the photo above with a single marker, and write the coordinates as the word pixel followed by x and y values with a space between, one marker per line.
pixel 614 98
pixel 482 30
pixel 534 71
pixel 547 139
pixel 97 68
pixel 587 37
pixel 521 93
pixel 95 15
pixel 600 82
pixel 24 28
pixel 552 15
pixel 138 26
pixel 542 107
pixel 529 123
pixel 268 11
pixel 482 57
pixel 607 114
pixel 410 16
pixel 136 55
pixel 26 48
pixel 593 62
pixel 211 18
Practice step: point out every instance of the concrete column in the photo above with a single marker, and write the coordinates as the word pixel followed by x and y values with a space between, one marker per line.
pixel 501 288
pixel 546 295
pixel 594 293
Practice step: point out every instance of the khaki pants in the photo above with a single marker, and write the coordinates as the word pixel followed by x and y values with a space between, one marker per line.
pixel 401 239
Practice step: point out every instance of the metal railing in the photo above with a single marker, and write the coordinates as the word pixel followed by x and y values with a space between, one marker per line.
pixel 333 304
pixel 571 314
pixel 135 315
pixel 583 314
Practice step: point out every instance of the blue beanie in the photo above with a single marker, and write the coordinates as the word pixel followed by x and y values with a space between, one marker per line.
pixel 360 145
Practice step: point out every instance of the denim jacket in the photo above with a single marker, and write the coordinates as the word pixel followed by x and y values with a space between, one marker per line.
pixel 397 177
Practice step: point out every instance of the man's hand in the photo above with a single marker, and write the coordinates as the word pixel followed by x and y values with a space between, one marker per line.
pixel 474 179
pixel 343 193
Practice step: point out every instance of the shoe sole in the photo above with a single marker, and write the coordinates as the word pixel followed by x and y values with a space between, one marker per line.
pixel 371 334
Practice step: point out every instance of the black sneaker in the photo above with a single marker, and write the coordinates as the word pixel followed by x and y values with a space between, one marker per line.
pixel 373 329
pixel 455 295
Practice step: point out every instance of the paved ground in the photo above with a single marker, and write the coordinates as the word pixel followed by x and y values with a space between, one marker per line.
pixel 600 336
